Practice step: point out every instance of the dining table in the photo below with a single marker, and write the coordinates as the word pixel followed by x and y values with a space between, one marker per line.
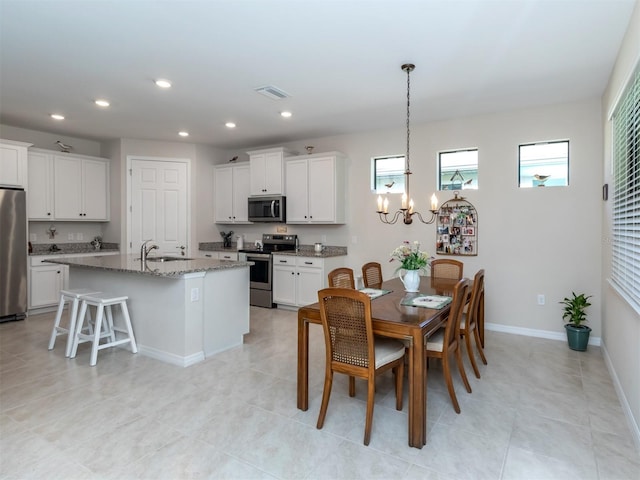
pixel 390 318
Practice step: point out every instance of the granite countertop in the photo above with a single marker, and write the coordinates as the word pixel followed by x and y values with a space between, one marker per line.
pixel 303 251
pixel 72 248
pixel 133 264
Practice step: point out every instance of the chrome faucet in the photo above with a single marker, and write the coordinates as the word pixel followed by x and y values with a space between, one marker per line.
pixel 144 251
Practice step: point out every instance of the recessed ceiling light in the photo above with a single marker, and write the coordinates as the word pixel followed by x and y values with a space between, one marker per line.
pixel 102 103
pixel 162 83
pixel 57 116
pixel 183 134
pixel 230 125
pixel 285 114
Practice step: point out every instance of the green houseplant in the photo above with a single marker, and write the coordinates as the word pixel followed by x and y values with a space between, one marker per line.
pixel 574 311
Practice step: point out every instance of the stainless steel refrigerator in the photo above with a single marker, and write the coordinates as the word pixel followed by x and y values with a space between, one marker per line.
pixel 13 254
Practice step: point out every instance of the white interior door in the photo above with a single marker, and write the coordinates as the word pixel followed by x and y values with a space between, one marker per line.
pixel 159 205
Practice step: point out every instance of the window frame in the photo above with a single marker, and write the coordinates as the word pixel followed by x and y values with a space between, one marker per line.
pixel 399 180
pixel 544 142
pixel 458 150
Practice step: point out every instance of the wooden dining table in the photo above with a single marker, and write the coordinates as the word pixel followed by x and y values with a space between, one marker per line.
pixel 391 319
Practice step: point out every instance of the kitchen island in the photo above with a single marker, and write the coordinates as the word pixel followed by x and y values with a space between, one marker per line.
pixel 182 311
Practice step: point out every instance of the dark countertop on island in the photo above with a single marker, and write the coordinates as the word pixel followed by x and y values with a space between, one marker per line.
pixel 133 264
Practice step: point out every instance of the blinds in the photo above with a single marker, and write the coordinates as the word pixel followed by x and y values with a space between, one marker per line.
pixel 626 192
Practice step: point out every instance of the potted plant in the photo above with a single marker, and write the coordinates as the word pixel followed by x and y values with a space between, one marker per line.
pixel 574 311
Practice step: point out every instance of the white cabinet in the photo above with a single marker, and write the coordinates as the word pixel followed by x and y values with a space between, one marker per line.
pixel 13 163
pixel 40 191
pixel 67 187
pixel 231 192
pixel 81 189
pixel 296 280
pixel 45 282
pixel 267 171
pixel 315 187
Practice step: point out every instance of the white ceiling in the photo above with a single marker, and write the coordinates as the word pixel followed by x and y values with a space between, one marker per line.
pixel 339 60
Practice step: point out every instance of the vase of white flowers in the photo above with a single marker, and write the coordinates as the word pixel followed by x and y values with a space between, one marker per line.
pixel 412 262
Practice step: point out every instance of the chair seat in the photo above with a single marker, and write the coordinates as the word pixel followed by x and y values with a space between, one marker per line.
pixel 388 350
pixel 436 341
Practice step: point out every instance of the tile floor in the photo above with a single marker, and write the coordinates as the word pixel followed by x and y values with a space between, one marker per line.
pixel 540 411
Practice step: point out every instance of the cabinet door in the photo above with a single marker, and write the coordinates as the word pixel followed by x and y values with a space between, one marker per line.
pixel 241 192
pixel 67 186
pixel 297 195
pixel 223 195
pixel 40 191
pixel 95 190
pixel 13 160
pixel 309 281
pixel 45 284
pixel 284 284
pixel 257 168
pixel 322 190
pixel 273 173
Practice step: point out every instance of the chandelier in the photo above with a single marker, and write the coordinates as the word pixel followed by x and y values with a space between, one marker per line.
pixel 406 210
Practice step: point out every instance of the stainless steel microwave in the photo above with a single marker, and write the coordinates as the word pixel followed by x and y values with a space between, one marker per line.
pixel 267 209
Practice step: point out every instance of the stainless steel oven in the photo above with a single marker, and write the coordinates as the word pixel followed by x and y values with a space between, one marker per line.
pixel 261 272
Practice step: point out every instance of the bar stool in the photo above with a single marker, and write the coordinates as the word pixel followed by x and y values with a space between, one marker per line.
pixel 103 302
pixel 73 296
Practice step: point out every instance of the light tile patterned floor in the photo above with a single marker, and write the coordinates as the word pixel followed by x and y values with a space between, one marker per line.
pixel 540 411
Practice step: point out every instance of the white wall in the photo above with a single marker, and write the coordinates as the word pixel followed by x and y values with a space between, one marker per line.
pixel 48 140
pixel 621 322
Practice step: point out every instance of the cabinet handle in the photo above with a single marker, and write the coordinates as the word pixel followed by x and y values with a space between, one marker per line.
pixel 308 263
pixel 282 261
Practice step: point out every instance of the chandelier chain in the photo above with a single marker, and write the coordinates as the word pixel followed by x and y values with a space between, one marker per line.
pixel 408 116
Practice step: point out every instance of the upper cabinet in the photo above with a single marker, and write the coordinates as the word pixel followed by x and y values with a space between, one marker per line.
pixel 231 191
pixel 267 171
pixel 68 187
pixel 315 186
pixel 13 163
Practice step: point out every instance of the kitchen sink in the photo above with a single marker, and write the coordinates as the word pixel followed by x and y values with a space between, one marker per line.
pixel 166 259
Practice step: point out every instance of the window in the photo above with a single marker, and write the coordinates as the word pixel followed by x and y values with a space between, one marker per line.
pixel 625 268
pixel 458 170
pixel 544 164
pixel 388 174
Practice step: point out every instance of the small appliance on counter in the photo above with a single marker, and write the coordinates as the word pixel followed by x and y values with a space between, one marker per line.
pixel 261 272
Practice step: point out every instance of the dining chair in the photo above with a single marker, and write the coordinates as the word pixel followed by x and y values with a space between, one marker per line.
pixel 469 322
pixel 447 268
pixel 342 278
pixel 352 349
pixel 372 275
pixel 446 341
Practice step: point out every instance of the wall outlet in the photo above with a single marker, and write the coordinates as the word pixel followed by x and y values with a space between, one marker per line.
pixel 70 236
pixel 195 294
pixel 541 299
pixel 80 237
pixel 324 239
pixel 354 239
pixel 33 237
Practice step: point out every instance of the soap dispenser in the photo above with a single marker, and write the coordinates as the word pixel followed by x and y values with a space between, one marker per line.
pixel 240 242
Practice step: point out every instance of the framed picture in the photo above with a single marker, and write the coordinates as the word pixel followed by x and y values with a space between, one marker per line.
pixel 468 231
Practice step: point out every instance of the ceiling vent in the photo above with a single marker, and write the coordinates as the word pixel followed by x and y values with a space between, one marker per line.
pixel 274 93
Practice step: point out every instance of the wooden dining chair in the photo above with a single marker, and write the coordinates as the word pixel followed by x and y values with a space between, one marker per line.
pixel 342 278
pixel 372 275
pixel 469 323
pixel 352 349
pixel 447 268
pixel 446 341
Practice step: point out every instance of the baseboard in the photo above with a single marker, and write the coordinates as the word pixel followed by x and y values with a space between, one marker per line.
pixel 171 358
pixel 532 332
pixel 633 424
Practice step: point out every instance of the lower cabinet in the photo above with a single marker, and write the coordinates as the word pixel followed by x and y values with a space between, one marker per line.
pixel 45 282
pixel 296 280
pixel 218 255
